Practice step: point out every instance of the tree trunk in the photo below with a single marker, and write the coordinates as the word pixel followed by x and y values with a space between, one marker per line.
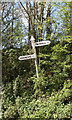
pixel 12 40
pixel 48 24
pixel 41 29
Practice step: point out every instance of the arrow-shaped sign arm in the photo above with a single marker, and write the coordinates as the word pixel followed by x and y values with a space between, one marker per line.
pixel 26 57
pixel 42 43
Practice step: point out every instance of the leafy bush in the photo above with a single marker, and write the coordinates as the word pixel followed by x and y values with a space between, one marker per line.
pixel 57 106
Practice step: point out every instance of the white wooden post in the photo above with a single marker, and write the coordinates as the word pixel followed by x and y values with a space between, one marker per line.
pixel 34 50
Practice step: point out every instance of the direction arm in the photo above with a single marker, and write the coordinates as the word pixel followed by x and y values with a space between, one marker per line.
pixel 26 57
pixel 42 43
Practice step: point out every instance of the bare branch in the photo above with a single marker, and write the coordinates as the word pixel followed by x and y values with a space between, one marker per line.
pixel 24 9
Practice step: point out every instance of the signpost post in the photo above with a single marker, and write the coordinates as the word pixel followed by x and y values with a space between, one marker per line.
pixel 34 50
pixel 34 44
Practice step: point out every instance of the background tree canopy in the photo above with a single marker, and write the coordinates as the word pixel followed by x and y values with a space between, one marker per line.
pixel 23 95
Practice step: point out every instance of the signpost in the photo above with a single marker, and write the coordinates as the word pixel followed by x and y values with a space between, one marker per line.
pixel 33 56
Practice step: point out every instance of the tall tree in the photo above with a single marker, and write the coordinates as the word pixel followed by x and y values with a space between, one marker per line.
pixel 10 19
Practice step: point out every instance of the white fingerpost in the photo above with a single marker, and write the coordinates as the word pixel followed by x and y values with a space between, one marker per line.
pixel 34 50
pixel 33 56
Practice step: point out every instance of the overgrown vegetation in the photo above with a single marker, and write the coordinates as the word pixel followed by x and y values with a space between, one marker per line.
pixel 50 96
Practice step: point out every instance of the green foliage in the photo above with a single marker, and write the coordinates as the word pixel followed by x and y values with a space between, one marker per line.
pixel 57 106
pixel 11 112
pixel 61 57
pixel 49 96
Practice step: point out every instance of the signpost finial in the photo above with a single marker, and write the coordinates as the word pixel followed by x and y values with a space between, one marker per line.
pixel 32 38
